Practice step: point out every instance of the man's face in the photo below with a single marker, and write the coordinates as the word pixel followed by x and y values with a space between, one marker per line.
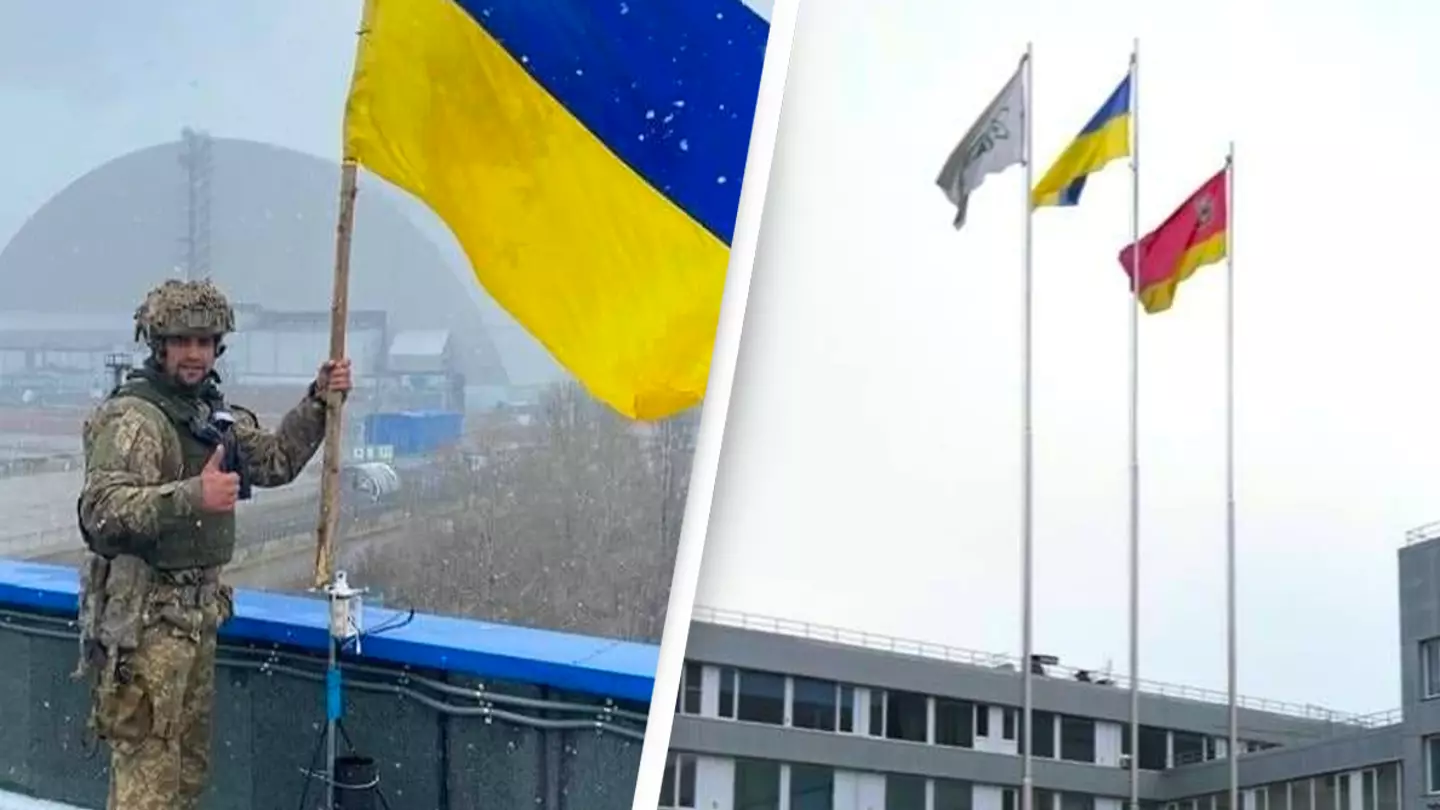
pixel 188 359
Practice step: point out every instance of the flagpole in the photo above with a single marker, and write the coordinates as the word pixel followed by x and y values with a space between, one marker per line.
pixel 1134 428
pixel 1026 457
pixel 1234 758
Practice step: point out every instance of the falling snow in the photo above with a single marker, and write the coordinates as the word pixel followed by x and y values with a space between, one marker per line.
pixel 663 76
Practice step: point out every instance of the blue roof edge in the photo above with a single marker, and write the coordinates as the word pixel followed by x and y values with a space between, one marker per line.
pixel 597 666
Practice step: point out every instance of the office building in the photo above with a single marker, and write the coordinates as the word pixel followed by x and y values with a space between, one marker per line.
pixel 784 716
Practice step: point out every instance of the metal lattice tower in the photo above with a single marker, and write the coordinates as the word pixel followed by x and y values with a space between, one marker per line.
pixel 196 163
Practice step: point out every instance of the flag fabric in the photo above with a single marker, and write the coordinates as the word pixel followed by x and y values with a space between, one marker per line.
pixel 1105 138
pixel 1193 236
pixel 588 158
pixel 995 142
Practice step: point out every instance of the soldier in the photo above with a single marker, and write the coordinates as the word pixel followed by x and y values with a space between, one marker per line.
pixel 166 459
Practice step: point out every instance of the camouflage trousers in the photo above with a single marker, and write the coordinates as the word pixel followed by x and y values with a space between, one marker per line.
pixel 157 715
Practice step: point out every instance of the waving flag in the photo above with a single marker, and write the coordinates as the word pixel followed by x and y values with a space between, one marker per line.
pixel 1106 136
pixel 1193 236
pixel 588 158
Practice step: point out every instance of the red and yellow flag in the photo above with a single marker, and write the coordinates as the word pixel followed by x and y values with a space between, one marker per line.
pixel 1193 236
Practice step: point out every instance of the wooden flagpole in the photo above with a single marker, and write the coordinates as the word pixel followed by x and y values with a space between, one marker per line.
pixel 325 539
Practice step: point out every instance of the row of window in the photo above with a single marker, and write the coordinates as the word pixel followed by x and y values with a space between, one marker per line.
pixel 1368 789
pixel 766 785
pixel 823 705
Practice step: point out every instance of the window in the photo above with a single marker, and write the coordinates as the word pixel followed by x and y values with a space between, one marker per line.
pixel 1077 739
pixel 1387 787
pixel 814 704
pixel 757 784
pixel 729 677
pixel 1042 798
pixel 1152 746
pixel 761 698
pixel 690 688
pixel 906 716
pixel 877 713
pixel 1432 764
pixel 1008 723
pixel 953 722
pixel 1302 794
pixel 1076 801
pixel 847 709
pixel 1277 797
pixel 677 786
pixel 982 720
pixel 952 794
pixel 1430 668
pixel 904 792
pixel 812 787
pixel 1367 790
pixel 1324 792
pixel 1009 800
pixel 1189 748
pixel 1043 726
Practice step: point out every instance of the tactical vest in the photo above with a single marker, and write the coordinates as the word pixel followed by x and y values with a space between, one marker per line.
pixel 200 540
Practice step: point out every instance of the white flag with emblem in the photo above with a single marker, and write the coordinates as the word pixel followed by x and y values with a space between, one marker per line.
pixel 994 143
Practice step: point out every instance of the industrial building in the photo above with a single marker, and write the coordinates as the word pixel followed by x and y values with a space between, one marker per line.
pixel 776 715
pixel 56 359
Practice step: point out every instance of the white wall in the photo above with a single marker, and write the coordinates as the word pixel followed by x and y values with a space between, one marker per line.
pixel 714 783
pixel 1108 742
pixel 859 791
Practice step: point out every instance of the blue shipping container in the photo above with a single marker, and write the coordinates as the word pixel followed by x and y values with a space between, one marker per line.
pixel 414 433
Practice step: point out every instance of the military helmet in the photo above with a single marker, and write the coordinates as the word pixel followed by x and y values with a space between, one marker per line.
pixel 184 309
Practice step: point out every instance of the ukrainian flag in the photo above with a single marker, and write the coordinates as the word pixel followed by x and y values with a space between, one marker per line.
pixel 588 157
pixel 1104 139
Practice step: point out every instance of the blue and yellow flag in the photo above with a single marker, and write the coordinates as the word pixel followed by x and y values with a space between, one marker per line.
pixel 1105 138
pixel 588 158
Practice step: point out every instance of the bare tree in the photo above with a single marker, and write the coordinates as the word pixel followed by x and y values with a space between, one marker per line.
pixel 571 524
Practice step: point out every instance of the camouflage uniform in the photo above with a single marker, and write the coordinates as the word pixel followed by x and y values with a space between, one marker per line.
pixel 151 600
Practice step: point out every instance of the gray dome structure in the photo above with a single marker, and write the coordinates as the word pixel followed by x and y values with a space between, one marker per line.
pixel 259 220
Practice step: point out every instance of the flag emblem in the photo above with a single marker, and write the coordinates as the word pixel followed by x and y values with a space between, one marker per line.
pixel 1205 211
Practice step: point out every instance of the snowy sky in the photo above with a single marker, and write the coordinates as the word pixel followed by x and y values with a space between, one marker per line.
pixel 870 472
pixel 870 477
pixel 89 82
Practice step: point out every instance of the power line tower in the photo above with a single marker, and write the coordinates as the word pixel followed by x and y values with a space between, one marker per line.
pixel 198 168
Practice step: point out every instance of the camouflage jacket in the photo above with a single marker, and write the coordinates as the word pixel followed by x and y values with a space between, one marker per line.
pixel 134 467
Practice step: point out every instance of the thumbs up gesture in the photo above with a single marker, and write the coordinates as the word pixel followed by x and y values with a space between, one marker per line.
pixel 218 489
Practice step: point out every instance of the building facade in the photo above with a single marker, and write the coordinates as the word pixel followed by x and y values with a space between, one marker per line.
pixel 782 716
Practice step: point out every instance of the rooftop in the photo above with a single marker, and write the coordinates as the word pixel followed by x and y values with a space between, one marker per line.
pixel 996 660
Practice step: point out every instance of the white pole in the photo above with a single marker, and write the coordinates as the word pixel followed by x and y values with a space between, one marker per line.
pixel 1026 455
pixel 1234 764
pixel 1134 428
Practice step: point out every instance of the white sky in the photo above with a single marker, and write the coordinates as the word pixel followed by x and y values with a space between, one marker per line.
pixel 870 472
pixel 82 83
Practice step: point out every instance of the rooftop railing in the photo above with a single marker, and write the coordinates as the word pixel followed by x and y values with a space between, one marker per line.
pixel 1007 661
pixel 1420 534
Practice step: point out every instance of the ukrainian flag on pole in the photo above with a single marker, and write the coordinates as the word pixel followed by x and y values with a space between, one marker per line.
pixel 588 158
pixel 1105 137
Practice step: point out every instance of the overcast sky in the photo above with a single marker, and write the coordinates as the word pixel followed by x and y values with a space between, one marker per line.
pixel 870 471
pixel 83 83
